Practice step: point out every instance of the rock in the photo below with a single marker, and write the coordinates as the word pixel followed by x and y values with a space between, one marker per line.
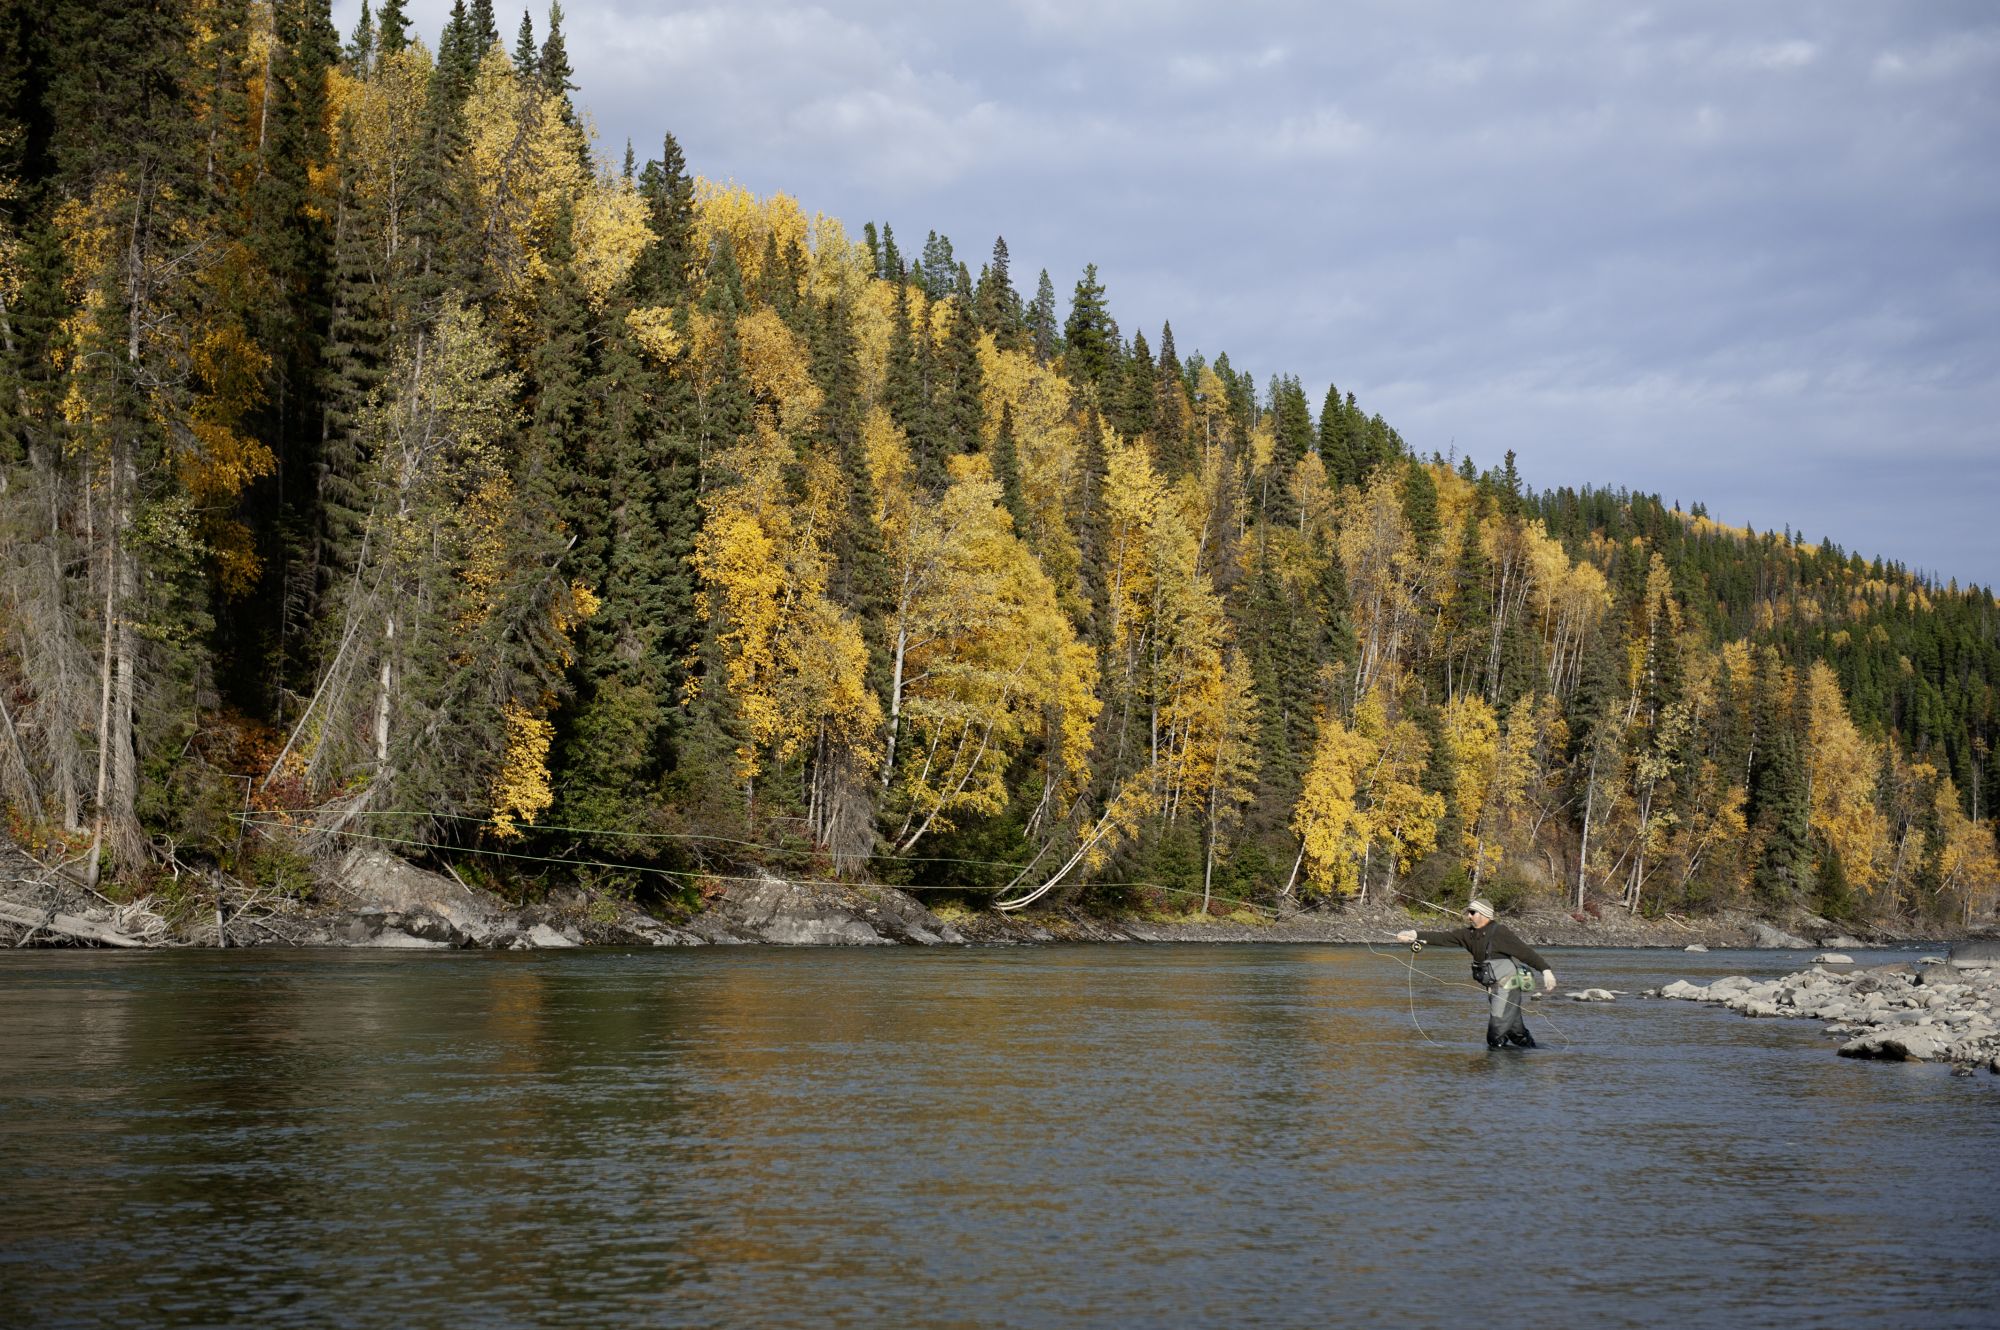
pixel 1901 1046
pixel 541 935
pixel 1694 946
pixel 1681 988
pixel 1842 942
pixel 1832 958
pixel 397 939
pixel 1976 954
pixel 426 905
pixel 1592 995
pixel 1776 939
pixel 766 908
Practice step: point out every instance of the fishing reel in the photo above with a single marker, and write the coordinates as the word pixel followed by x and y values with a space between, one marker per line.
pixel 1416 946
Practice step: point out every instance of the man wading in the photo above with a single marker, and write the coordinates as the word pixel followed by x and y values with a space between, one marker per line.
pixel 1502 963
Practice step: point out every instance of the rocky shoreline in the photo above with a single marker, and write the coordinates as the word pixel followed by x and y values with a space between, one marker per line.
pixel 1940 1010
pixel 374 899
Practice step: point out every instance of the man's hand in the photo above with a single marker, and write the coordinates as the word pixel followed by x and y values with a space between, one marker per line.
pixel 1407 935
pixel 1548 981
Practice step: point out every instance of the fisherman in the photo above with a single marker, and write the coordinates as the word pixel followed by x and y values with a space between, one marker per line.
pixel 1503 964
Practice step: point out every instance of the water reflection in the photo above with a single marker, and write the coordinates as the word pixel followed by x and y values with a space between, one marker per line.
pixel 1061 1136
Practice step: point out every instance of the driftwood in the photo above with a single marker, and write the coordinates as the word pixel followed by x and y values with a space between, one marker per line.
pixel 69 925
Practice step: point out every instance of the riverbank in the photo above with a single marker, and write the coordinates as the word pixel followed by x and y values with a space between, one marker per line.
pixel 1944 1010
pixel 374 899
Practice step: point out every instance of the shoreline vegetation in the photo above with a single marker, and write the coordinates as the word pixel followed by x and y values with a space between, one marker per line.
pixel 374 899
pixel 383 464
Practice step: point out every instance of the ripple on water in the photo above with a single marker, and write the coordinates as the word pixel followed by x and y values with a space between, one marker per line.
pixel 1034 1137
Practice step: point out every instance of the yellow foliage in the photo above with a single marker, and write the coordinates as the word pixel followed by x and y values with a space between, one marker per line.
pixel 794 663
pixel 984 659
pixel 729 213
pixel 1046 443
pixel 1404 816
pixel 521 788
pixel 653 329
pixel 780 370
pixel 525 170
pixel 382 120
pixel 1332 824
pixel 1841 769
pixel 1470 750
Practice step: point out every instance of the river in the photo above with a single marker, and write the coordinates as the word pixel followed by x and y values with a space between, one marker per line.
pixel 1055 1136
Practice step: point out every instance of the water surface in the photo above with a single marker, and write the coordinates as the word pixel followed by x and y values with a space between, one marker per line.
pixel 1062 1136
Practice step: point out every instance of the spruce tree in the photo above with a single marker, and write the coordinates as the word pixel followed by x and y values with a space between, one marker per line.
pixel 665 265
pixel 1333 445
pixel 359 54
pixel 485 31
pixel 527 60
pixel 937 269
pixel 1007 470
pixel 392 30
pixel 1044 336
pixel 1420 505
pixel 1089 349
pixel 961 397
pixel 999 304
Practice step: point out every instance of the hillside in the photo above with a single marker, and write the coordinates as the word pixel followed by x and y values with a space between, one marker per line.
pixel 380 466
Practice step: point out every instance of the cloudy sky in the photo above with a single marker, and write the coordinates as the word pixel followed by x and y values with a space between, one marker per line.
pixel 1747 254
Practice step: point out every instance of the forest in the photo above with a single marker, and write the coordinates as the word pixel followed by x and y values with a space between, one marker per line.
pixel 383 459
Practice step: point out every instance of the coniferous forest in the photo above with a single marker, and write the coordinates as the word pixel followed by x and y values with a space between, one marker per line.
pixel 380 457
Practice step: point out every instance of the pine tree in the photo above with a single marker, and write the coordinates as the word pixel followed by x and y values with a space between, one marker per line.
pixel 999 304
pixel 485 31
pixel 1007 470
pixel 392 30
pixel 552 65
pixel 359 54
pixel 666 263
pixel 937 270
pixel 892 258
pixel 961 404
pixel 1089 347
pixel 527 59
pixel 1333 444
pixel 1043 333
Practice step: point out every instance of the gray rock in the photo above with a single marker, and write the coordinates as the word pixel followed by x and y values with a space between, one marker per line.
pixel 397 939
pixel 1832 958
pixel 427 905
pixel 1776 939
pixel 1899 1046
pixel 1976 954
pixel 766 908
pixel 1694 946
pixel 1592 995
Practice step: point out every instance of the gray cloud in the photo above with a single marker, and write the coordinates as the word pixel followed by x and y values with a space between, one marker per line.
pixel 1741 254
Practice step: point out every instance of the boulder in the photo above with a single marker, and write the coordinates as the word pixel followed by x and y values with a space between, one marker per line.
pixel 425 905
pixel 1842 942
pixel 1976 954
pixel 1592 995
pixel 396 904
pixel 766 908
pixel 1833 958
pixel 1908 1045
pixel 1694 946
pixel 1776 939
